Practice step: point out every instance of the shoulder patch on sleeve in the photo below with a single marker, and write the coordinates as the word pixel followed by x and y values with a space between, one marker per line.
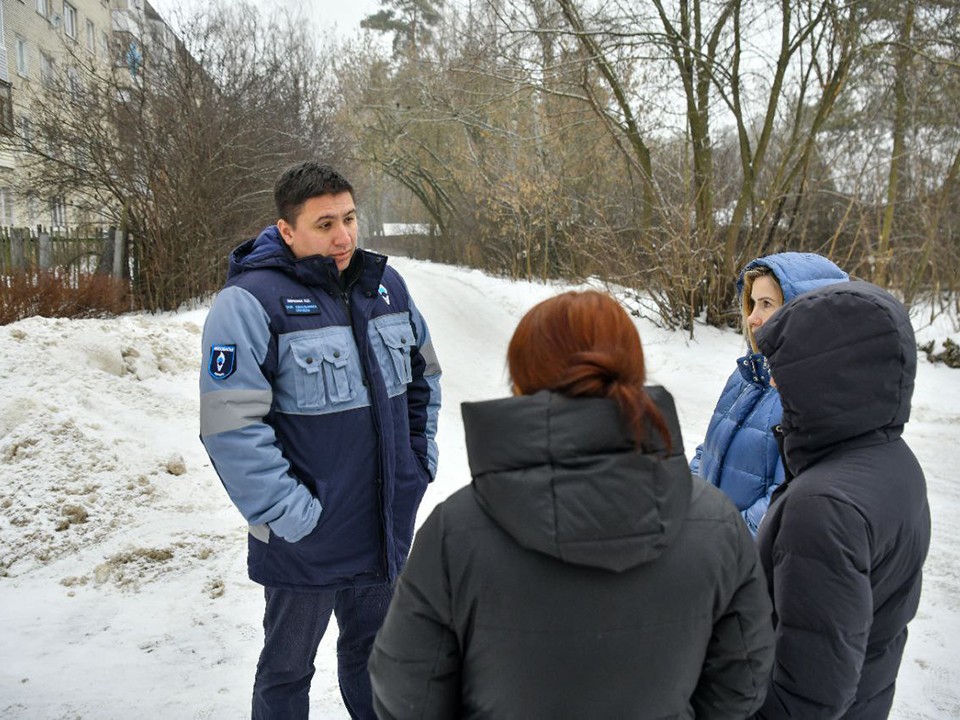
pixel 223 361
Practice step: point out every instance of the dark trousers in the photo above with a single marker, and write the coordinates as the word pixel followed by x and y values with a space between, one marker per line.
pixel 293 625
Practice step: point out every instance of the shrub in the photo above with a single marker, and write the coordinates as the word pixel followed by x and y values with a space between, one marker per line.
pixel 50 293
pixel 950 355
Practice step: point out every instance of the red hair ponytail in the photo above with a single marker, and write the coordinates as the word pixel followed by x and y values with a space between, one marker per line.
pixel 583 344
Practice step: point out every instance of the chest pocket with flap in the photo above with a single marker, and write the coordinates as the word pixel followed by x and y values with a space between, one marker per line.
pixel 393 341
pixel 327 371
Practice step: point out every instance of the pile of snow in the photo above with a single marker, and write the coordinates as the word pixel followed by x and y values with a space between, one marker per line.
pixel 123 586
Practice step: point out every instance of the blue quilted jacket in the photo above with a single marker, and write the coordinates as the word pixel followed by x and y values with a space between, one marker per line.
pixel 739 453
pixel 319 410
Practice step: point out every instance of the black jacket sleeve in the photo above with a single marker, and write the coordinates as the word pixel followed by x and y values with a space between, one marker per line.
pixel 415 663
pixel 736 668
pixel 824 606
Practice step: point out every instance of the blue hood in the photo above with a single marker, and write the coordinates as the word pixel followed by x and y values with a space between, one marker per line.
pixel 797 272
pixel 268 250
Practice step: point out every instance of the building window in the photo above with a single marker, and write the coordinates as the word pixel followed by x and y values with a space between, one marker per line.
pixel 47 68
pixel 22 66
pixel 26 132
pixel 42 7
pixel 91 35
pixel 73 78
pixel 133 58
pixel 70 20
pixel 58 212
pixel 53 144
pixel 32 208
pixel 6 207
pixel 6 108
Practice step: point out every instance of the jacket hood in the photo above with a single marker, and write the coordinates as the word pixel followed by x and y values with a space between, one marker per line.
pixel 269 251
pixel 563 476
pixel 797 272
pixel 844 359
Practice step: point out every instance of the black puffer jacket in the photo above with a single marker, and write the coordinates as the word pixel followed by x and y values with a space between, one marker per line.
pixel 844 541
pixel 575 578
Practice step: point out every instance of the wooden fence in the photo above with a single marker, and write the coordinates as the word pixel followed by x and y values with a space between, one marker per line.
pixel 76 251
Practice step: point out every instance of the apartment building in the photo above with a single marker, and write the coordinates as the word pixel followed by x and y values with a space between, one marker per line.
pixel 41 37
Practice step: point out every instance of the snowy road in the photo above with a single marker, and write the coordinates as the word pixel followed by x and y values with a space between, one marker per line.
pixel 123 589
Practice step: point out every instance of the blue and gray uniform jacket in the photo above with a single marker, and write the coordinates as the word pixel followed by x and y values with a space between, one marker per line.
pixel 319 408
pixel 740 454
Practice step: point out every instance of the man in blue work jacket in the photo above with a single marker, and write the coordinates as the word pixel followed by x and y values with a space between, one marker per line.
pixel 319 401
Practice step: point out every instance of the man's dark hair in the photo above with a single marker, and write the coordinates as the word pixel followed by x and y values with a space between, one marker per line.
pixel 300 182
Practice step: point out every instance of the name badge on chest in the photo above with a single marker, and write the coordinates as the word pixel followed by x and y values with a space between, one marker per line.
pixel 301 306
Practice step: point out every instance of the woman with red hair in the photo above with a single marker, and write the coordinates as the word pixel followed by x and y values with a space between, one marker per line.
pixel 583 572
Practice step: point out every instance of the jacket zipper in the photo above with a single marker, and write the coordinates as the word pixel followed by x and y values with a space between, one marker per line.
pixel 787 475
pixel 374 408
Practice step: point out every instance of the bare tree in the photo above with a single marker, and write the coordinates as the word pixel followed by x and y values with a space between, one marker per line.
pixel 182 150
pixel 659 146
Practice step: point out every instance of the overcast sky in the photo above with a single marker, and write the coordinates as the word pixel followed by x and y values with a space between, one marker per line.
pixel 345 14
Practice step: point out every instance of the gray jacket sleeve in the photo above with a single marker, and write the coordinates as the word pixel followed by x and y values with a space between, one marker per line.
pixel 415 663
pixel 242 446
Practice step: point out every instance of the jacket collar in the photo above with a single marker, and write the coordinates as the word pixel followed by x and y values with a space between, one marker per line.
pixel 755 369
pixel 268 250
pixel 563 476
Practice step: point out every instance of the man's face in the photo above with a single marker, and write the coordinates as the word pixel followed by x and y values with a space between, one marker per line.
pixel 327 226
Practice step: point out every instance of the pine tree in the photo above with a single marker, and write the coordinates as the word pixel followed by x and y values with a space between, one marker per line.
pixel 410 21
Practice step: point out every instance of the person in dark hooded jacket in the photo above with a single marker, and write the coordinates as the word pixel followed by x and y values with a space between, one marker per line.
pixel 846 535
pixel 584 573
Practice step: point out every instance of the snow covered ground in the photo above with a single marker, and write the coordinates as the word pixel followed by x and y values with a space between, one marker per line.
pixel 123 589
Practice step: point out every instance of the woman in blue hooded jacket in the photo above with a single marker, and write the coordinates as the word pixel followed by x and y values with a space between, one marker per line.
pixel 739 453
